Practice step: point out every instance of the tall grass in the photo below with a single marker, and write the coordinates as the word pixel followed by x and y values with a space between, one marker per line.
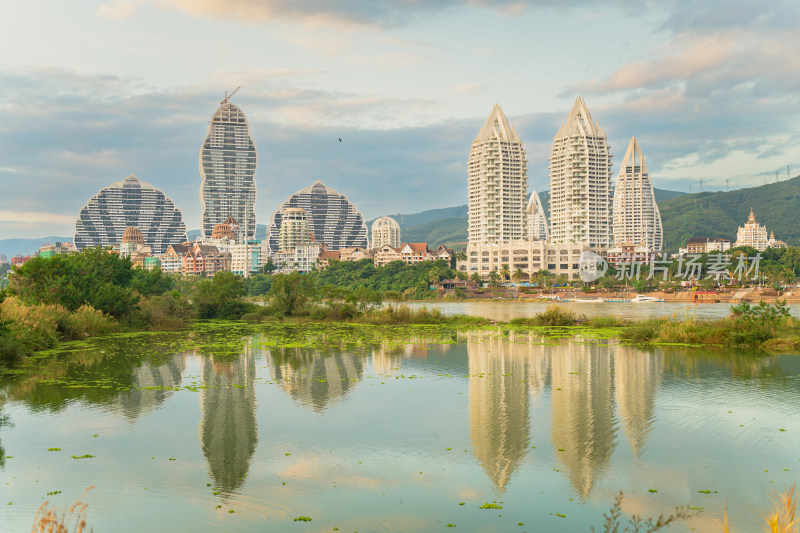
pixel 783 517
pixel 25 329
pixel 73 520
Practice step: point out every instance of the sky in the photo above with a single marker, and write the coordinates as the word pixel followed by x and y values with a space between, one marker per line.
pixel 94 90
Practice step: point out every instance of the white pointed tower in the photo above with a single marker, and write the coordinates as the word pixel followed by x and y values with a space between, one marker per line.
pixel 498 183
pixel 636 215
pixel 537 220
pixel 228 166
pixel 580 182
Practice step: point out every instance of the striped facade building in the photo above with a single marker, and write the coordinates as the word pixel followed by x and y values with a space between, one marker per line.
pixel 227 167
pixel 332 218
pixel 129 203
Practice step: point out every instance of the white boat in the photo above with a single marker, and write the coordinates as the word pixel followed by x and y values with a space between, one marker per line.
pixel 597 300
pixel 641 298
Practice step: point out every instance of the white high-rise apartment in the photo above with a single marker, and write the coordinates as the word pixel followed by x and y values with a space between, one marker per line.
pixel 228 167
pixel 294 229
pixel 537 220
pixel 580 182
pixel 385 230
pixel 498 183
pixel 636 216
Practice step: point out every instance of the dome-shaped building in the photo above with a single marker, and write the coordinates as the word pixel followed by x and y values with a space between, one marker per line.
pixel 385 230
pixel 126 204
pixel 332 218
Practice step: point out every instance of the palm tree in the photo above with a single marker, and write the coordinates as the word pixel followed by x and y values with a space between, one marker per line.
pixel 505 272
pixel 518 273
pixel 475 277
pixel 493 278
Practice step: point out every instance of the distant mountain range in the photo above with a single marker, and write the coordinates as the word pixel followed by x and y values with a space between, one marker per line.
pixel 707 214
pixel 12 247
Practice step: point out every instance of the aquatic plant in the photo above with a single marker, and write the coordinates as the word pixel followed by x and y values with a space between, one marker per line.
pixel 637 524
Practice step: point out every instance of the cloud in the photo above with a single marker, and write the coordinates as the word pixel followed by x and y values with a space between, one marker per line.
pixel 66 135
pixel 467 88
pixel 8 216
pixel 363 13
pixel 116 10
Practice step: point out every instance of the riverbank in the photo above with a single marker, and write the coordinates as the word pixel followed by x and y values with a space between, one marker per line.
pixel 570 294
pixel 765 328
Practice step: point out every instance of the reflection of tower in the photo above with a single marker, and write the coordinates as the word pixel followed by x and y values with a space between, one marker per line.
pixel 637 377
pixel 583 411
pixel 151 385
pixel 228 430
pixel 385 359
pixel 498 404
pixel 314 379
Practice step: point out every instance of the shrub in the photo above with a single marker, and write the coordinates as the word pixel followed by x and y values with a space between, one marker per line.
pixel 553 315
pixel 642 332
pixel 220 297
pixel 165 312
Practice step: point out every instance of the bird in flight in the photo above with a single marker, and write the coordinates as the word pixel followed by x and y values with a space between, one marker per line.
pixel 340 139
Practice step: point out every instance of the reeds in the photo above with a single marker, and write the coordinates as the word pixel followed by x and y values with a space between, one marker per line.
pixel 73 520
pixel 782 519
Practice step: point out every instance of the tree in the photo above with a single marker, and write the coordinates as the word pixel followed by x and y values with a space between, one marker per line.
pixel 268 268
pixel 94 277
pixel 257 284
pixel 505 273
pixel 494 278
pixel 151 282
pixel 476 278
pixel 220 296
pixel 291 292
pixel 518 275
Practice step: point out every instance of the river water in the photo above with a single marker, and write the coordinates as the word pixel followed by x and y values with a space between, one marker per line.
pixel 237 428
pixel 505 310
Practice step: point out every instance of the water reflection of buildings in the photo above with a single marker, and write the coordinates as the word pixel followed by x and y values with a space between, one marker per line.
pixel 584 427
pixel 637 377
pixel 506 374
pixel 151 386
pixel 313 378
pixel 228 434
pixel 388 356
pixel 499 402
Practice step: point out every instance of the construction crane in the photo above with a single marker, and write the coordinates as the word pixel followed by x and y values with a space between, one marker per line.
pixel 227 96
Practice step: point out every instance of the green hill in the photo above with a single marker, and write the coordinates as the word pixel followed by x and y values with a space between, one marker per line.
pixel 719 214
pixel 448 231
